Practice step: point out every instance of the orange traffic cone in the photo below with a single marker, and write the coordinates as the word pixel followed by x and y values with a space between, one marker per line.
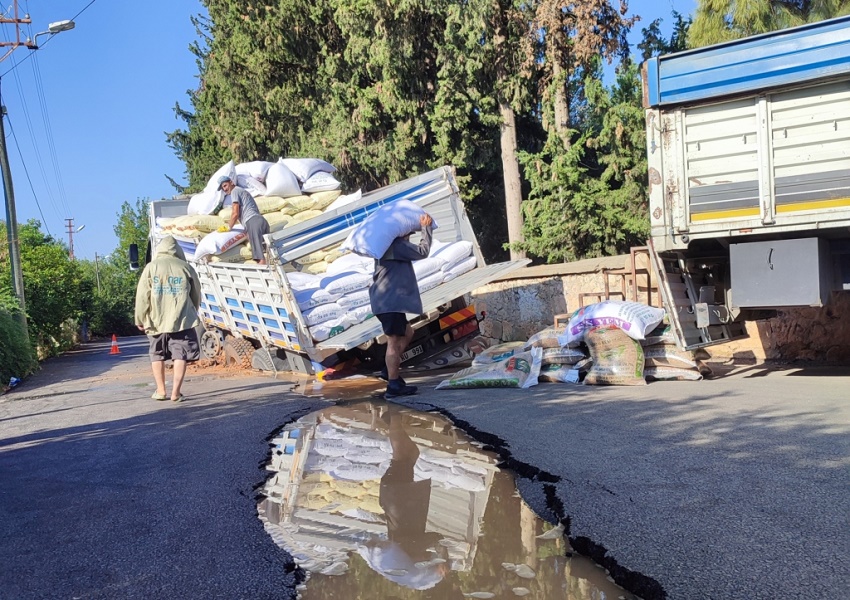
pixel 114 349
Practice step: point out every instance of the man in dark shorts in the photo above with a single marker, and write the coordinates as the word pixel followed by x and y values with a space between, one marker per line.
pixel 393 293
pixel 167 299
pixel 246 212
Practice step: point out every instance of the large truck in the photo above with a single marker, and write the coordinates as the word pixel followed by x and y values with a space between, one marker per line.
pixel 749 177
pixel 250 314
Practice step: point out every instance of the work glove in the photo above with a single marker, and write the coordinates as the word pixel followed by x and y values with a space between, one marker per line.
pixel 223 229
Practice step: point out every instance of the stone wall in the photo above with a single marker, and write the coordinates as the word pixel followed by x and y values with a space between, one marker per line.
pixel 529 300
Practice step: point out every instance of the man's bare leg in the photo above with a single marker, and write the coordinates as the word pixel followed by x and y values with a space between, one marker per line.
pixel 179 374
pixel 158 368
pixel 396 345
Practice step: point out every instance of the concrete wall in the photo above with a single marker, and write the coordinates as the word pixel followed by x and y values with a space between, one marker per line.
pixel 527 302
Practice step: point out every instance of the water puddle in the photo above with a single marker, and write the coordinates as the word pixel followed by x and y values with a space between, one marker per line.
pixel 376 501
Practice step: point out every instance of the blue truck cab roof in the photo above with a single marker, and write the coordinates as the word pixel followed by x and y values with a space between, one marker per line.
pixel 789 56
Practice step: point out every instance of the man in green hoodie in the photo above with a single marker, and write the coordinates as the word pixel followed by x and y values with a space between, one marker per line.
pixel 167 301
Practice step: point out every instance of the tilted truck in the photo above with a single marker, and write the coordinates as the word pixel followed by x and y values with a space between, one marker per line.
pixel 749 177
pixel 248 307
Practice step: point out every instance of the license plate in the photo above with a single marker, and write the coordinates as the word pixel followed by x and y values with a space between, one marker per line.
pixel 412 352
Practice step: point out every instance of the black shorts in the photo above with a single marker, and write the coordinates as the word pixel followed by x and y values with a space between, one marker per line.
pixel 393 323
pixel 179 345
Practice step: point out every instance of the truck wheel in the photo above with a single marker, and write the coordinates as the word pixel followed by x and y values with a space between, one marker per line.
pixel 238 352
pixel 211 343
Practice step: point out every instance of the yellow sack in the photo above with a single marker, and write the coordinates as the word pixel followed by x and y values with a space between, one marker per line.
pixel 312 258
pixel 316 268
pixel 231 255
pixel 268 204
pixel 305 216
pixel 298 204
pixel 225 213
pixel 205 223
pixel 276 218
pixel 324 199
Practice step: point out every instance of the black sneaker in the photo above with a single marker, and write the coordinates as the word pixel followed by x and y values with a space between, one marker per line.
pixel 386 376
pixel 397 387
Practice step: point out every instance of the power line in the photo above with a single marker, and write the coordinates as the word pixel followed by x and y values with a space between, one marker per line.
pixel 47 41
pixel 24 164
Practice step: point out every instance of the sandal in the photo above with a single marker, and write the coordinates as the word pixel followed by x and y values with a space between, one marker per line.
pixel 157 396
pixel 178 398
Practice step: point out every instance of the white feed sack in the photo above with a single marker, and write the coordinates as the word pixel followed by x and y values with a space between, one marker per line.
pixel 322 313
pixel 320 182
pixel 347 282
pixel 376 233
pixel 205 203
pixel 256 169
pixel 219 242
pixel 344 200
pixel 252 185
pixel 229 169
pixel 427 266
pixel 303 281
pixel 464 266
pixel 430 282
pixel 304 168
pixel 327 329
pixel 352 262
pixel 312 298
pixel 635 319
pixel 453 254
pixel 280 181
pixel 354 299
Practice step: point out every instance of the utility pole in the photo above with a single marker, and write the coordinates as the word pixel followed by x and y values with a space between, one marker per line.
pixel 97 272
pixel 69 224
pixel 8 190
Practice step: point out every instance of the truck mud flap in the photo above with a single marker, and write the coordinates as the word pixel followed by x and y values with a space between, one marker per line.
pixel 697 321
pixel 431 301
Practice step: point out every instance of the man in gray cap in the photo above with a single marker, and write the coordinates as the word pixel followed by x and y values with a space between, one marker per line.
pixel 246 212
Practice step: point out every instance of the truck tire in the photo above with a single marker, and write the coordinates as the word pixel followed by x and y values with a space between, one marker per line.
pixel 238 352
pixel 212 343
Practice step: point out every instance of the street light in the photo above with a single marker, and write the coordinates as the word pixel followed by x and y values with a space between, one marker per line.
pixel 52 29
pixel 8 190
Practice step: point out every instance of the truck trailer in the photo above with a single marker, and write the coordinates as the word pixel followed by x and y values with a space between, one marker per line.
pixel 749 177
pixel 246 308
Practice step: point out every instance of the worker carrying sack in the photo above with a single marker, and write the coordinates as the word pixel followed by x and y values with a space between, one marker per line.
pixel 374 236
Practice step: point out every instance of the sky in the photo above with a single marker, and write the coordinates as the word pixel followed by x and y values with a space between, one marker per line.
pixel 88 111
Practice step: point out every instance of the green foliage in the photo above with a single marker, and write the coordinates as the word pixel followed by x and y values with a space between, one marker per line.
pixel 590 200
pixel 654 43
pixel 718 21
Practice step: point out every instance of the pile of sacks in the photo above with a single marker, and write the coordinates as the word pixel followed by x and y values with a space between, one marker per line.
pixel 287 192
pixel 338 298
pixel 607 343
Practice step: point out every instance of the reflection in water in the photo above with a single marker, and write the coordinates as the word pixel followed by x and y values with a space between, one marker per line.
pixel 379 501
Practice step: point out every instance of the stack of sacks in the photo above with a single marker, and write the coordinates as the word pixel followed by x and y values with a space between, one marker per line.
pixel 664 360
pixel 560 363
pixel 289 191
pixel 189 230
pixel 332 303
pixel 457 258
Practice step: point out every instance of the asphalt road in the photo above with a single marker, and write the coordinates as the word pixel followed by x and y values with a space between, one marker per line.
pixel 735 487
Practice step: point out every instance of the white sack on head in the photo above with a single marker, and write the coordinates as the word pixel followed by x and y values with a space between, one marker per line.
pixel 280 181
pixel 218 242
pixel 320 182
pixel 343 200
pixel 229 169
pixel 204 203
pixel 375 235
pixel 252 185
pixel 256 169
pixel 304 168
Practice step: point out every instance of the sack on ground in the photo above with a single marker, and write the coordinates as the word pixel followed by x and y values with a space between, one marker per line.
pixel 669 356
pixel 376 233
pixel 671 374
pixel 518 371
pixel 555 373
pixel 497 353
pixel 617 358
pixel 632 317
pixel 663 334
pixel 562 356
pixel 548 338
